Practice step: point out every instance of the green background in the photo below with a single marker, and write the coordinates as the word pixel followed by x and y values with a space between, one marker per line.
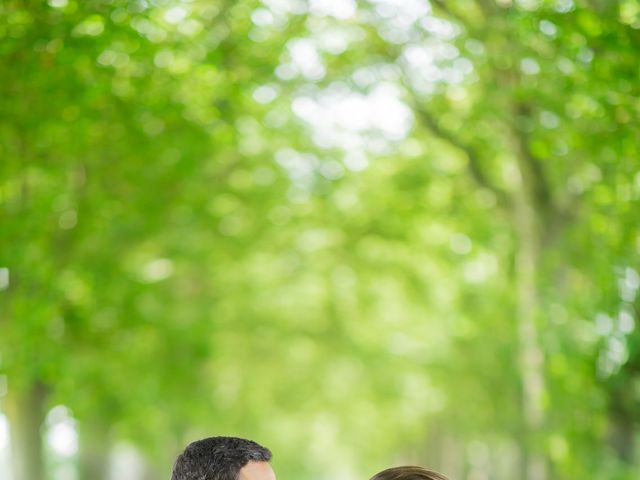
pixel 362 234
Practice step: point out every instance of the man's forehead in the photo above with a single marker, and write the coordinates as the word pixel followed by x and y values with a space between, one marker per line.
pixel 257 471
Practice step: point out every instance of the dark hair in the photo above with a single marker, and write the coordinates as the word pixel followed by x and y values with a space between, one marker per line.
pixel 408 473
pixel 217 458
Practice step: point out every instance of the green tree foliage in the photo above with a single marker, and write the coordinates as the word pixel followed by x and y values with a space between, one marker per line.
pixel 370 233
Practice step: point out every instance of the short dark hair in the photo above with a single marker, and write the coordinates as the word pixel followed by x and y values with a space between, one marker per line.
pixel 408 472
pixel 217 458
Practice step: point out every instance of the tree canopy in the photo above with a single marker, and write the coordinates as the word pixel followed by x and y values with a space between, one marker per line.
pixel 362 233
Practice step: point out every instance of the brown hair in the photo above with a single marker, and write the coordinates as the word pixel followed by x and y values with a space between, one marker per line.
pixel 408 473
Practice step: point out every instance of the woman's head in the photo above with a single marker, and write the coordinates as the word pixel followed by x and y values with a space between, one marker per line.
pixel 408 473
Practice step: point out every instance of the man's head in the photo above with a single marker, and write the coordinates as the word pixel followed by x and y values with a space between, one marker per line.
pixel 223 458
pixel 408 473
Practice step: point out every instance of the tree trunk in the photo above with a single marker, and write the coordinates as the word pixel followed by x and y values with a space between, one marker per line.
pixel 95 448
pixel 623 411
pixel 622 437
pixel 26 410
pixel 531 356
pixel 150 472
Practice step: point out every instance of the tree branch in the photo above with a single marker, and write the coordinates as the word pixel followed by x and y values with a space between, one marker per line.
pixel 473 25
pixel 530 165
pixel 474 163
